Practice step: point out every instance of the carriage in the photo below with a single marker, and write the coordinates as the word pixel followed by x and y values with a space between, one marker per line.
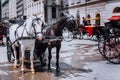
pixel 109 44
pixel 92 32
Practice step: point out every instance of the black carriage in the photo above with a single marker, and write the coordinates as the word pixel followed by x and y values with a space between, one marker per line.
pixel 109 45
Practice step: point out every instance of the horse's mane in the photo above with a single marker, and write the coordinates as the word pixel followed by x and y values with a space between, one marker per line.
pixel 58 21
pixel 57 26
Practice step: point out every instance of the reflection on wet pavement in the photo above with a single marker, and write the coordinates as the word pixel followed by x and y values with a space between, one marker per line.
pixel 72 63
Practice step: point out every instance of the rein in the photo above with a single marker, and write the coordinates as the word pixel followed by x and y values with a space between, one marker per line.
pixel 48 39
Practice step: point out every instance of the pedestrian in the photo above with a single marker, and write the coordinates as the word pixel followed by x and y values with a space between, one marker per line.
pixel 68 14
pixel 61 15
pixel 84 21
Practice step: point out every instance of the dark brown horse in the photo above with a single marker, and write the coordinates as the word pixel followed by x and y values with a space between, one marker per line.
pixel 55 31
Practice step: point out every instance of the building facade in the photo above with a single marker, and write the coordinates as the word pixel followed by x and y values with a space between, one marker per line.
pixel 34 8
pixel 20 8
pixel 112 8
pixel 12 9
pixel 0 11
pixel 5 10
pixel 95 11
pixel 52 10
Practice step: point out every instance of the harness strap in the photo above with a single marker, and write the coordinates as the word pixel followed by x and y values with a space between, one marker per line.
pixel 24 38
pixel 37 33
pixel 14 42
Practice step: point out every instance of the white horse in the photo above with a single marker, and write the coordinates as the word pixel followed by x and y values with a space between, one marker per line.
pixel 24 36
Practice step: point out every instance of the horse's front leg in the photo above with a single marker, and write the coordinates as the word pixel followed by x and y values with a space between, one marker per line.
pixel 32 60
pixel 57 57
pixel 22 58
pixel 49 59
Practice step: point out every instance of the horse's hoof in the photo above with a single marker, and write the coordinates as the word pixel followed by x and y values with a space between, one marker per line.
pixel 33 72
pixel 15 67
pixel 22 71
pixel 44 64
pixel 18 65
pixel 58 70
pixel 49 70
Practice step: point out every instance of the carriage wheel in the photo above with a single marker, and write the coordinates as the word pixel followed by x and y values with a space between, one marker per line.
pixel 112 50
pixel 101 45
pixel 68 36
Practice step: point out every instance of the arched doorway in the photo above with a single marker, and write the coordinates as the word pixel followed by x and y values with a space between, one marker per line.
pixel 97 19
pixel 78 18
pixel 116 10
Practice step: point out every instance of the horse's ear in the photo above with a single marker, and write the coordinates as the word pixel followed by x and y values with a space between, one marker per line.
pixel 34 15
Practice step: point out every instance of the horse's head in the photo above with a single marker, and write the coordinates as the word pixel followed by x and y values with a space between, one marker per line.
pixel 37 26
pixel 71 24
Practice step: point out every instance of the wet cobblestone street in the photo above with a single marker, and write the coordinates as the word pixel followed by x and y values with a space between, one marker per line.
pixel 74 57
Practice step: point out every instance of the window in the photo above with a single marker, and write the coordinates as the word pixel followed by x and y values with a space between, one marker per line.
pixel 87 0
pixel 35 0
pixel 78 1
pixel 67 5
pixel 72 2
pixel 53 12
pixel 62 4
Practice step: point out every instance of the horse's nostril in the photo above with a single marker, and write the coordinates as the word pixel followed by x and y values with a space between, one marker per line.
pixel 40 37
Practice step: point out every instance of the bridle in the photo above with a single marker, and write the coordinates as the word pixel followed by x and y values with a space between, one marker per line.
pixel 30 36
pixel 36 19
pixel 71 22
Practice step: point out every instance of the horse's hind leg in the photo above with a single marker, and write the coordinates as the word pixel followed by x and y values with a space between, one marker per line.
pixel 15 54
pixel 31 60
pixel 49 59
pixel 57 58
